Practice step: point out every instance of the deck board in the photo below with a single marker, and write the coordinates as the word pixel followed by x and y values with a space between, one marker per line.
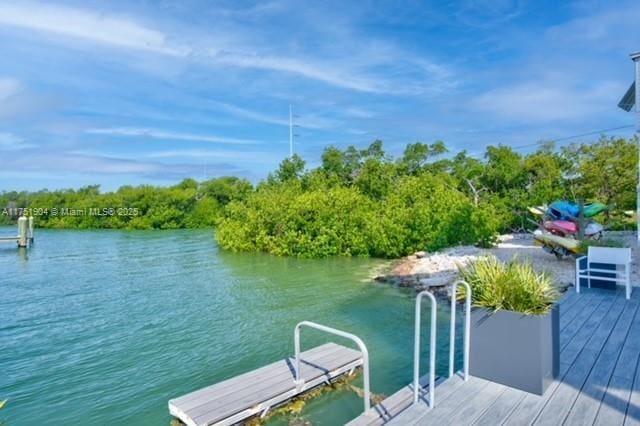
pixel 632 416
pixel 498 412
pixel 243 396
pixel 453 404
pixel 587 404
pixel 443 392
pixel 581 370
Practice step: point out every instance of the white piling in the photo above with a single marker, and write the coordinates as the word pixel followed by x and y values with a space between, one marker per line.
pixel 30 229
pixel 22 232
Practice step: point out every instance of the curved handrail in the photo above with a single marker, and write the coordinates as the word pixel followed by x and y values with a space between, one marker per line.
pixel 356 339
pixel 432 348
pixel 467 324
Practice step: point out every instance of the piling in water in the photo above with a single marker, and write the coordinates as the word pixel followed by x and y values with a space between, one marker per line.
pixel 22 232
pixel 30 236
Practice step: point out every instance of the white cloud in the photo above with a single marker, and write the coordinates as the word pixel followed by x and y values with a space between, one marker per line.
pixel 7 139
pixel 78 23
pixel 50 164
pixel 542 101
pixel 8 87
pixel 254 157
pixel 251 114
pixel 349 72
pixel 359 112
pixel 489 13
pixel 601 29
pixel 161 134
pixel 327 73
pixel 11 142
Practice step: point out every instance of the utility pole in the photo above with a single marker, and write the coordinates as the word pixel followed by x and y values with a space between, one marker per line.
pixel 636 59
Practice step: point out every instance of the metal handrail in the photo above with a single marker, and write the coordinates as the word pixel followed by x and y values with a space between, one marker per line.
pixel 432 348
pixel 356 339
pixel 467 328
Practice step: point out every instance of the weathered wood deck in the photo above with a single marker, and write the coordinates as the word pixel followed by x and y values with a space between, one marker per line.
pixel 599 380
pixel 249 394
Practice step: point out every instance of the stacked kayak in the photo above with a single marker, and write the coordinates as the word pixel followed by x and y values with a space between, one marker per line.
pixel 560 226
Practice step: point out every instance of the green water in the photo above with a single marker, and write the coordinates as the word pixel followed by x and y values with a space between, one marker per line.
pixel 104 327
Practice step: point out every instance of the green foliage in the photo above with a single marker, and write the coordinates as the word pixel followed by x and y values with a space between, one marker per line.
pixel 513 286
pixel 185 205
pixel 362 202
pixel 603 170
pixel 290 169
pixel 416 212
pixel 285 220
pixel 604 242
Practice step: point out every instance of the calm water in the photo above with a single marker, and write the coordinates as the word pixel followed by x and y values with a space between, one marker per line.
pixel 104 327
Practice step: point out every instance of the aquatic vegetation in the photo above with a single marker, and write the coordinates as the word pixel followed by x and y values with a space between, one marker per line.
pixel 3 404
pixel 293 410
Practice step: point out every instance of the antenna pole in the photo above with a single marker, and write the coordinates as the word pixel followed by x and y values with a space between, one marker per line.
pixel 290 131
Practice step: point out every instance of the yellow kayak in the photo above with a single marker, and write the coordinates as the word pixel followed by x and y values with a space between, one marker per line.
pixel 559 246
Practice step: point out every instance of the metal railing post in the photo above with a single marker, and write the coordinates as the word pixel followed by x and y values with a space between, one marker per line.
pixel 432 348
pixel 467 328
pixel 353 337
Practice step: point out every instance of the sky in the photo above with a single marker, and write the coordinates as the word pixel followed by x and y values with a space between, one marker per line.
pixel 151 92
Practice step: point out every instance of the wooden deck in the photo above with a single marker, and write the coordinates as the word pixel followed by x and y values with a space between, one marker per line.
pixel 250 394
pixel 599 382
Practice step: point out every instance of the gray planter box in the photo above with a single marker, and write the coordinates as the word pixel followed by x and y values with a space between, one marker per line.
pixel 520 351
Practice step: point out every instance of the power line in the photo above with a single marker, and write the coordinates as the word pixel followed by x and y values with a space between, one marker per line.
pixel 566 138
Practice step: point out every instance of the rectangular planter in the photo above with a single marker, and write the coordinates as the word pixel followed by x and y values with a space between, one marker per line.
pixel 516 350
pixel 609 285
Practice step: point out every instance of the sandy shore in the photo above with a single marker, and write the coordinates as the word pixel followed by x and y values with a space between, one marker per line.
pixel 423 270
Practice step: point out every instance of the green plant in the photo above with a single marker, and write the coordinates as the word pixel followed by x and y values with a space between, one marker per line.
pixel 513 286
pixel 605 242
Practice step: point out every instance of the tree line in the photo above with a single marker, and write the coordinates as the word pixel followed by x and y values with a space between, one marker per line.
pixel 364 202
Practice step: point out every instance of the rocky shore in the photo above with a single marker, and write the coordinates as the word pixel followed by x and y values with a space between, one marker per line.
pixel 433 270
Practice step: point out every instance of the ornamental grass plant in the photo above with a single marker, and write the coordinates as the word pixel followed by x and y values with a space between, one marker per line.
pixel 513 286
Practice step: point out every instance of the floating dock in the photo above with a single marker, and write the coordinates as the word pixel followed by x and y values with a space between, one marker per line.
pixel 256 392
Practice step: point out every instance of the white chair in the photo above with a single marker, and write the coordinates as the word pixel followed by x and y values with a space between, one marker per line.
pixel 620 257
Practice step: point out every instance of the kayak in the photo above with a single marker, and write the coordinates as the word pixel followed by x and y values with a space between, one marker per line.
pixel 554 244
pixel 570 244
pixel 566 210
pixel 593 209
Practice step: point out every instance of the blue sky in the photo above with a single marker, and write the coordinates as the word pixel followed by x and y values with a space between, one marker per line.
pixel 136 91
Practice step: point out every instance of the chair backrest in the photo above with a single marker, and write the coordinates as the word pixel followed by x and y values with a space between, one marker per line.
pixel 613 255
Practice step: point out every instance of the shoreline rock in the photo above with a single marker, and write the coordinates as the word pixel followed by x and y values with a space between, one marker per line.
pixel 423 270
